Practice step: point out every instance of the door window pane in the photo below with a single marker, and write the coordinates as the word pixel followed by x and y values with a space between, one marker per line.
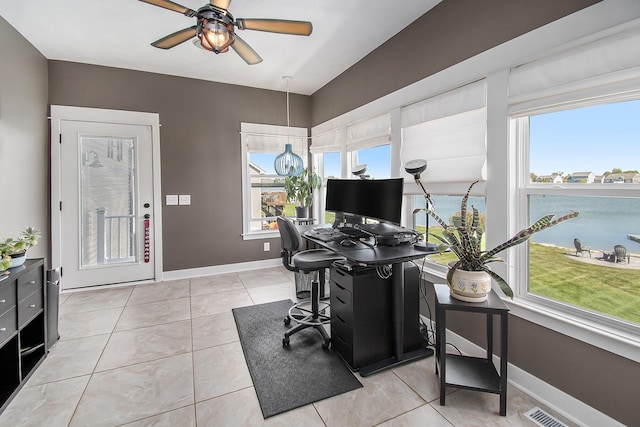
pixel 107 200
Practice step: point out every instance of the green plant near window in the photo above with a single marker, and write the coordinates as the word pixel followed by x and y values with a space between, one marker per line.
pixel 464 238
pixel 300 188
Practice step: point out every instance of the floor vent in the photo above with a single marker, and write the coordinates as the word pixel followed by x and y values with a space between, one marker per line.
pixel 543 419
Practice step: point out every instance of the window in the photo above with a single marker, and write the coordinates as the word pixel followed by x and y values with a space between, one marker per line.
pixel 573 116
pixel 449 132
pixel 377 159
pixel 594 150
pixel 263 192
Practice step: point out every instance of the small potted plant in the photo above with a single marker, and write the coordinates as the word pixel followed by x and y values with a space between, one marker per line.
pixel 469 278
pixel 16 249
pixel 300 188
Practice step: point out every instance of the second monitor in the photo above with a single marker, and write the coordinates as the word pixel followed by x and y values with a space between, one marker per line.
pixel 379 199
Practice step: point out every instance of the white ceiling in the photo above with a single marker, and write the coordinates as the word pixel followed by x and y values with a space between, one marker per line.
pixel 118 33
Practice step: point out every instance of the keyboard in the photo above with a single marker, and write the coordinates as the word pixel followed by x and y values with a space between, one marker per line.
pixel 353 232
pixel 326 234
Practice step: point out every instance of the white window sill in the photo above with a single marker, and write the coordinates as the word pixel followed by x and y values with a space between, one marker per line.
pixel 624 343
pixel 271 234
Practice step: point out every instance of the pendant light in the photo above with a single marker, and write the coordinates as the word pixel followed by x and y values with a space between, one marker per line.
pixel 288 163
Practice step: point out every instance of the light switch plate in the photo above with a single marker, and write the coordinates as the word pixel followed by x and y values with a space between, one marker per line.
pixel 171 199
pixel 184 199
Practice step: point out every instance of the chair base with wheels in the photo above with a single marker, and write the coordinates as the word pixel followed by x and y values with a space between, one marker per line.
pixel 309 314
pixel 312 313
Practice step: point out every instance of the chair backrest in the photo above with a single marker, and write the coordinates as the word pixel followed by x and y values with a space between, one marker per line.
pixel 620 251
pixel 578 244
pixel 290 241
pixel 289 235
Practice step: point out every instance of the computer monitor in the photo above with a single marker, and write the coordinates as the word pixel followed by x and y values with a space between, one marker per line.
pixel 379 199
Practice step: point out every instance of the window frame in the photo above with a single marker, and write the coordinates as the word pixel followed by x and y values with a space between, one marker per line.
pixel 267 131
pixel 596 328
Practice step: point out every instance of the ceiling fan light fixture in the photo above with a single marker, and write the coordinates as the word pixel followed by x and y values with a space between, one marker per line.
pixel 216 36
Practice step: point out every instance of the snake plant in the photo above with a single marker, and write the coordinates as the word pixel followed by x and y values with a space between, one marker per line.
pixel 464 238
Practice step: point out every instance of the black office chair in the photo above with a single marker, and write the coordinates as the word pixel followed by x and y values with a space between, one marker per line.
pixel 309 261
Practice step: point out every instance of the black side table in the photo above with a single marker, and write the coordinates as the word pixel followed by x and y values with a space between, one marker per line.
pixel 467 372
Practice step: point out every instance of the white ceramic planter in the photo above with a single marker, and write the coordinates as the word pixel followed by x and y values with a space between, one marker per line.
pixel 470 286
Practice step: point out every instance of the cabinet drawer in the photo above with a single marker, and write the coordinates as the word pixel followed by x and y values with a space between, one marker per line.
pixel 341 310
pixel 7 296
pixel 29 307
pixel 342 347
pixel 8 324
pixel 341 294
pixel 29 283
pixel 341 329
pixel 342 278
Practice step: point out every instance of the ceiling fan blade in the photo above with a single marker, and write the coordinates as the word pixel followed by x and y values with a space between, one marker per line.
pixel 299 28
pixel 175 39
pixel 167 4
pixel 245 51
pixel 222 4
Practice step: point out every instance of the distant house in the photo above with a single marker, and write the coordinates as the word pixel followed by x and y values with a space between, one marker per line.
pixel 599 179
pixel 581 177
pixel 622 178
pixel 553 178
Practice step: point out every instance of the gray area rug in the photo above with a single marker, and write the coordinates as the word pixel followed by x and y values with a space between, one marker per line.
pixel 286 378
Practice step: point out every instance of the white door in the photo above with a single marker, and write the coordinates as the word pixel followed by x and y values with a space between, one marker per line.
pixel 107 210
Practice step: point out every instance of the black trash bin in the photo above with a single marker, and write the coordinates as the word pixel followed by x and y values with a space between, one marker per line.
pixel 53 297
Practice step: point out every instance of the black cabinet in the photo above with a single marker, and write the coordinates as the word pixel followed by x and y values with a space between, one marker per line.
pixel 361 315
pixel 473 373
pixel 22 326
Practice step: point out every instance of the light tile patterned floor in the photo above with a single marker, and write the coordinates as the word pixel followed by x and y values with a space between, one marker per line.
pixel 168 354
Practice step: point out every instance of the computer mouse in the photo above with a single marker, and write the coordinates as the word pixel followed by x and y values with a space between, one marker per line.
pixel 348 243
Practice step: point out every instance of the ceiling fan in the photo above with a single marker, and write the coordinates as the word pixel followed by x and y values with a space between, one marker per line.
pixel 215 32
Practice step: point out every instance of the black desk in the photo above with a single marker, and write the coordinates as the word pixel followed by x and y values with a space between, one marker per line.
pixel 366 255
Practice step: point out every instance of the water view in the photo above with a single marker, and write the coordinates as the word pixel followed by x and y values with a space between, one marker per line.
pixel 603 221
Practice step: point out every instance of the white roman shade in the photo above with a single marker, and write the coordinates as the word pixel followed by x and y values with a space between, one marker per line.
pixel 331 141
pixel 369 133
pixel 589 71
pixel 449 132
pixel 272 139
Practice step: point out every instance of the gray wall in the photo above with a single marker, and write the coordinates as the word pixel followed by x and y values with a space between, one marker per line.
pixel 24 154
pixel 451 32
pixel 199 147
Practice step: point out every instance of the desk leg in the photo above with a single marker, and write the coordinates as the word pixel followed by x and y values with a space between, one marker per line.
pixel 397 307
pixel 397 285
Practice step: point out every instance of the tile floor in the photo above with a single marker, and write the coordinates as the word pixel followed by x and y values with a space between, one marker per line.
pixel 168 354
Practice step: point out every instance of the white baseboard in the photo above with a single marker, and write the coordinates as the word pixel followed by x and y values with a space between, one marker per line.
pixel 561 402
pixel 220 269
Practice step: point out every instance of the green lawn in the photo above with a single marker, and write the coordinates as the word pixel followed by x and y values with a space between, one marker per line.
pixel 608 290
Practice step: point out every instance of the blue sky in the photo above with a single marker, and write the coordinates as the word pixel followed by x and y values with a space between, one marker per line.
pixel 596 139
